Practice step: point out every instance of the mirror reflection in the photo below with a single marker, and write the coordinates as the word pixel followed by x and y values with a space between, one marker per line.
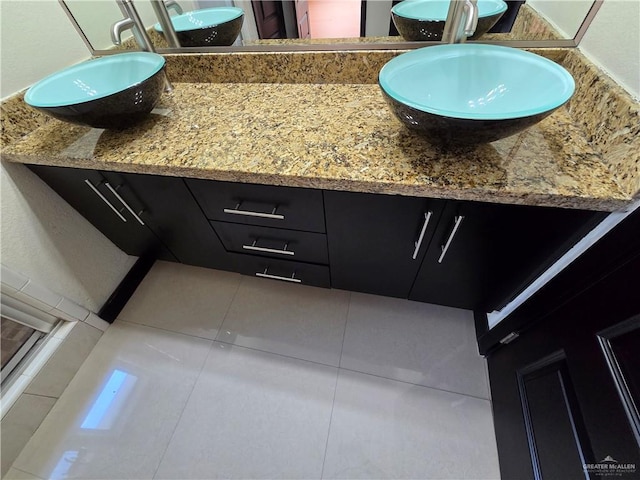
pixel 262 22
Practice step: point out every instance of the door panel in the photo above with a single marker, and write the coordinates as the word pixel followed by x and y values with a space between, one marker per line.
pixel 495 251
pixel 372 240
pixel 95 204
pixel 580 407
pixel 168 208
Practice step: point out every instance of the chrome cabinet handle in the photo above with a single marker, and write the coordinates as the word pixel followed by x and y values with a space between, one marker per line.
pixel 125 204
pixel 265 274
pixel 418 243
pixel 104 199
pixel 253 247
pixel 458 220
pixel 248 213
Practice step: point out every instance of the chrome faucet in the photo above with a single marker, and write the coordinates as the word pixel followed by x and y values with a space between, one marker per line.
pixel 462 21
pixel 131 21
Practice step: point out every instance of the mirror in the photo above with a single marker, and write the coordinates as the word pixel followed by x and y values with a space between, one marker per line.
pixel 329 24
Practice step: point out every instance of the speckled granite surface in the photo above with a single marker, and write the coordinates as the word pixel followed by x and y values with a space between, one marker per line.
pixel 610 118
pixel 318 120
pixel 293 67
pixel 340 137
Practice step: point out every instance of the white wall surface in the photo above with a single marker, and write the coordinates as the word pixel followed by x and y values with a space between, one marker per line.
pixel 565 16
pixel 613 42
pixel 41 236
pixel 36 39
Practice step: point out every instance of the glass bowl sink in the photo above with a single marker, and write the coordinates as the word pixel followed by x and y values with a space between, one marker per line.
pixel 421 20
pixel 115 91
pixel 219 26
pixel 473 93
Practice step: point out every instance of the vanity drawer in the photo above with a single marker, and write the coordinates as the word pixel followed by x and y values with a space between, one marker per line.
pixel 269 206
pixel 290 272
pixel 273 242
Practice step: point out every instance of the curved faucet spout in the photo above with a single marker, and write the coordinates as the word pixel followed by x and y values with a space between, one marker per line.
pixel 471 10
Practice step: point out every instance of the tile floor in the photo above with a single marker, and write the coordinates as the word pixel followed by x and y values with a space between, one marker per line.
pixel 209 374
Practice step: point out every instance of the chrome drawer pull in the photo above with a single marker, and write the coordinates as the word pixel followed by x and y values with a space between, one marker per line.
pixel 125 204
pixel 458 220
pixel 248 213
pixel 104 199
pixel 292 278
pixel 253 247
pixel 418 243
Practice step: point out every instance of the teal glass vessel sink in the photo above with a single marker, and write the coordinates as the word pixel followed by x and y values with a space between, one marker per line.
pixel 219 26
pixel 473 93
pixel 421 20
pixel 114 91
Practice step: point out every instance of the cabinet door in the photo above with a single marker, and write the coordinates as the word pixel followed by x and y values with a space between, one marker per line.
pixel 483 254
pixel 167 207
pixel 86 191
pixel 376 242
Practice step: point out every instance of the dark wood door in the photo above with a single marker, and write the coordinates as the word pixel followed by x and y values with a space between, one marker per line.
pixel 483 254
pixel 87 192
pixel 269 18
pixel 566 392
pixel 372 240
pixel 168 208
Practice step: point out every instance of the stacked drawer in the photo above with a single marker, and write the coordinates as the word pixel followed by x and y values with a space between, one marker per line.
pixel 275 232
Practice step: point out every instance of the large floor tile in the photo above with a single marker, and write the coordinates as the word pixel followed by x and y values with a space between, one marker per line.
pixel 414 342
pixel 182 298
pixel 54 377
pixel 19 424
pixel 253 415
pixel 297 321
pixel 383 429
pixel 116 417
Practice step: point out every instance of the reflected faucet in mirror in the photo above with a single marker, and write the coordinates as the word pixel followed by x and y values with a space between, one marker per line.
pixel 554 22
pixel 462 21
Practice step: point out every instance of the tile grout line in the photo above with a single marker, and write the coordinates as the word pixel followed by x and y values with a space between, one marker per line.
pixel 335 389
pixel 183 408
pixel 416 384
pixel 333 404
pixel 311 361
pixel 24 471
pixel 226 313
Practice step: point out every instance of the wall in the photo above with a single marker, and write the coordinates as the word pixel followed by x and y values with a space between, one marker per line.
pixel 565 16
pixel 613 39
pixel 41 236
pixel 613 42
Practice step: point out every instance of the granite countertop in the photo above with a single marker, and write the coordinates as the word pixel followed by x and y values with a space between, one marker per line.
pixel 331 136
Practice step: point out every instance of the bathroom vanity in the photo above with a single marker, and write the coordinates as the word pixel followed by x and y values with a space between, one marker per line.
pixel 319 184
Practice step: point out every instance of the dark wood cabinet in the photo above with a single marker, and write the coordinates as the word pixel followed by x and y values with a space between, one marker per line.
pixel 87 192
pixel 483 254
pixel 170 211
pixel 377 242
pixel 141 214
pixel 463 254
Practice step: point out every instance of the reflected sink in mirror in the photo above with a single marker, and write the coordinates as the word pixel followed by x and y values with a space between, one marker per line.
pixel 423 20
pixel 115 92
pixel 462 94
pixel 209 27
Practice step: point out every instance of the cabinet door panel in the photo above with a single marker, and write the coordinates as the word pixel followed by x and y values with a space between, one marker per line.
pixel 95 204
pixel 167 207
pixel 265 205
pixel 495 251
pixel 372 240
